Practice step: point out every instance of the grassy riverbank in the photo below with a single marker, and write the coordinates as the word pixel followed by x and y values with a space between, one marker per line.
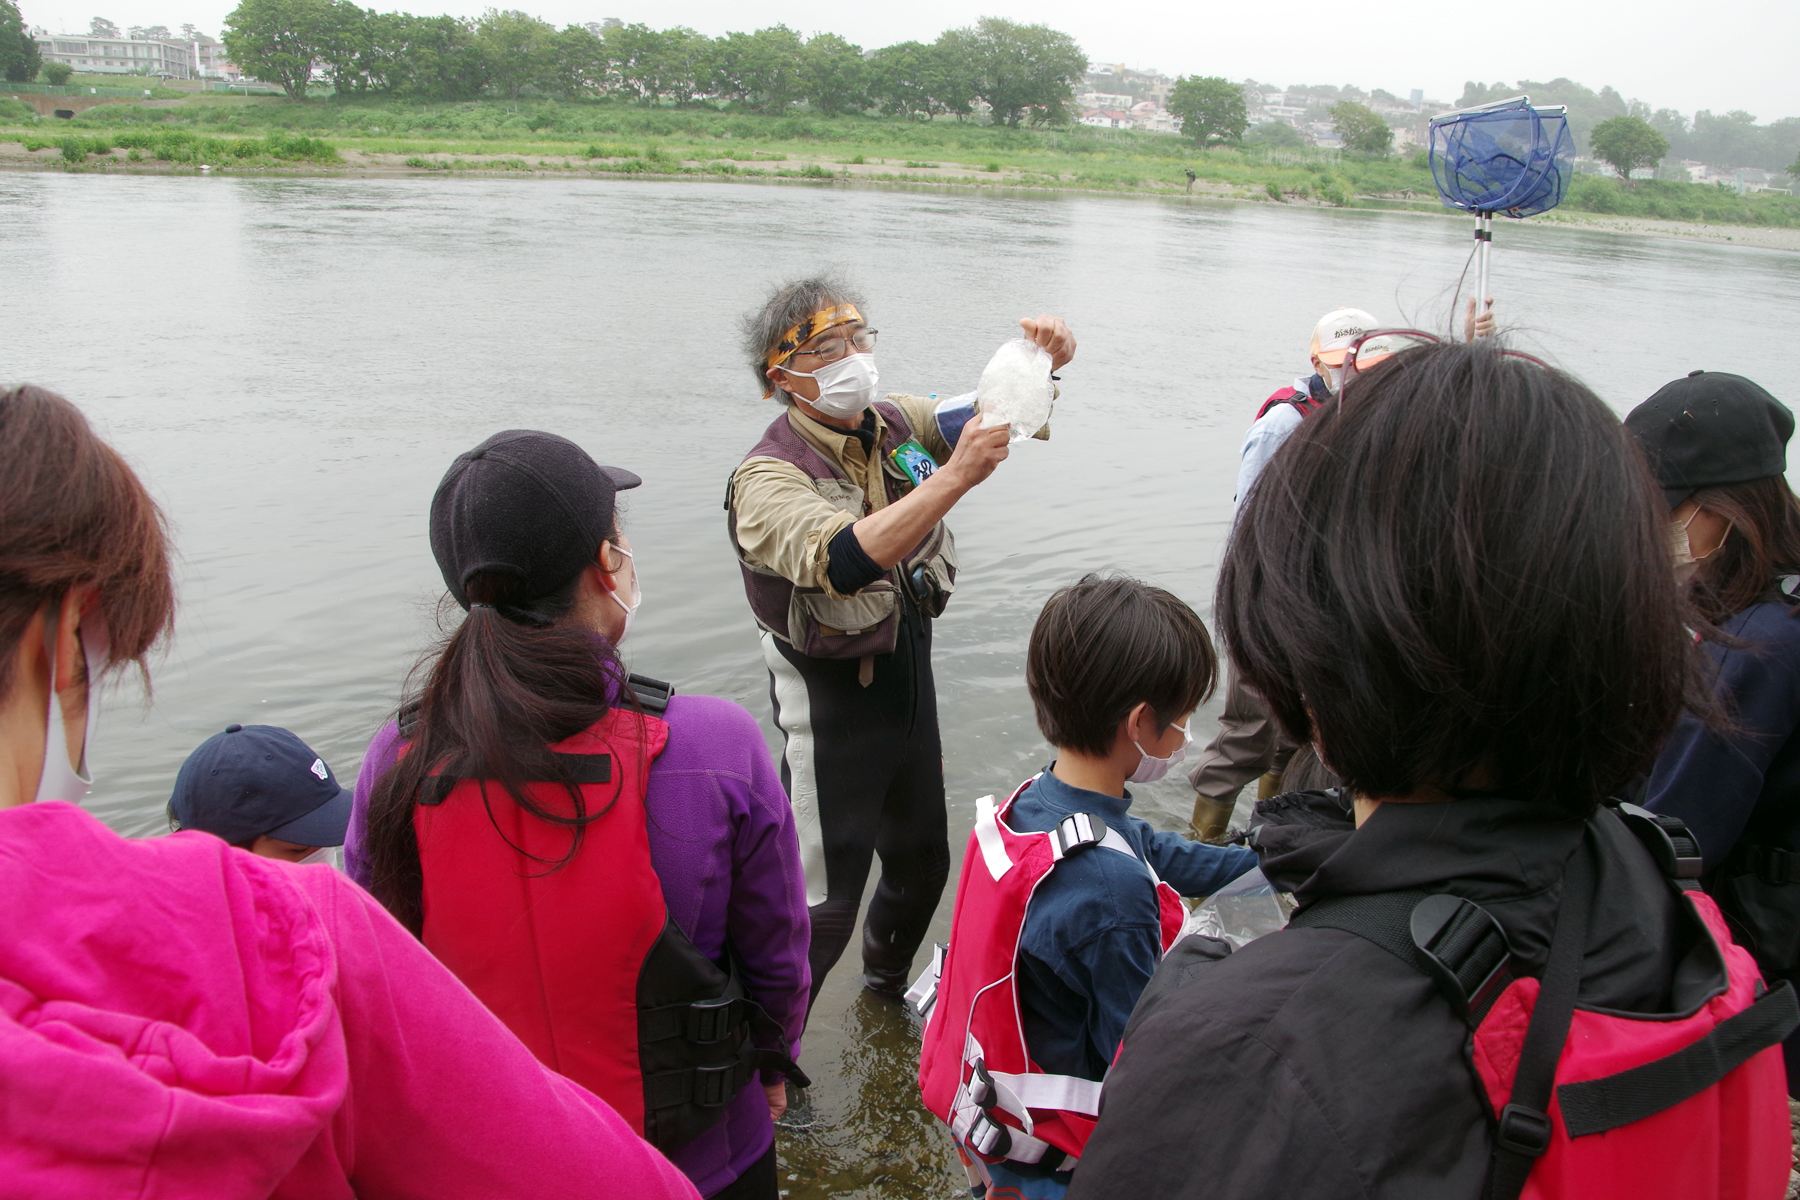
pixel 605 137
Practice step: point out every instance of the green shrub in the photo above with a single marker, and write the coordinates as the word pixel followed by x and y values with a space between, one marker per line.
pixel 923 165
pixel 814 171
pixel 994 167
pixel 1274 190
pixel 16 110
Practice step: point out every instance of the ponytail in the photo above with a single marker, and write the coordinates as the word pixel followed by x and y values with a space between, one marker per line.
pixel 513 679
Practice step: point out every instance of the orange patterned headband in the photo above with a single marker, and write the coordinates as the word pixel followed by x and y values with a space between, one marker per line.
pixel 800 334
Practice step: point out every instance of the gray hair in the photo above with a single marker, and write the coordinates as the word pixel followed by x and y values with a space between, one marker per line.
pixel 786 307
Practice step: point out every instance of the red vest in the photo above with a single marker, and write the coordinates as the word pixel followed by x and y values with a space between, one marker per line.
pixel 1731 1141
pixel 556 956
pixel 975 1070
pixel 1287 395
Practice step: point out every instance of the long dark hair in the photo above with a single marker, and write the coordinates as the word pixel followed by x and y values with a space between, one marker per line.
pixel 1460 572
pixel 509 682
pixel 1764 541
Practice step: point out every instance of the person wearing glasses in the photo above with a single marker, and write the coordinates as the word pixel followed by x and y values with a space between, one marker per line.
pixel 1249 743
pixel 836 516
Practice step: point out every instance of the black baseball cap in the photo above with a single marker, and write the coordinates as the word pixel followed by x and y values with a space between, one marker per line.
pixel 253 780
pixel 523 503
pixel 1711 429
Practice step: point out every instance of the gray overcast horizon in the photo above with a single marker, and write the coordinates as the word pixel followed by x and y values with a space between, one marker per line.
pixel 1738 56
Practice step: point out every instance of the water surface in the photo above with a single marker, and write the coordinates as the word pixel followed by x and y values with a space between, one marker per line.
pixel 292 363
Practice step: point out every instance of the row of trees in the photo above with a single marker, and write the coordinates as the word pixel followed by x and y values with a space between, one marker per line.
pixel 1022 72
pixel 1723 140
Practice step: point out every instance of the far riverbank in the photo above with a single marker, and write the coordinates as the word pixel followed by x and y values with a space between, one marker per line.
pixel 29 151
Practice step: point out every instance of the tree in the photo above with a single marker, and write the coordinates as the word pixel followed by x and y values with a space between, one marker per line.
pixel 19 58
pixel 583 64
pixel 1361 128
pixel 833 75
pixel 1209 108
pixel 682 63
pixel 1626 144
pixel 100 27
pixel 1795 169
pixel 759 70
pixel 440 60
pixel 57 73
pixel 519 50
pixel 1278 135
pixel 158 33
pixel 281 41
pixel 1019 69
pixel 912 79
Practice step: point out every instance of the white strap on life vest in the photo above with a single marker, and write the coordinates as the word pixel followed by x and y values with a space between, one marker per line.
pixel 987 836
pixel 1070 1093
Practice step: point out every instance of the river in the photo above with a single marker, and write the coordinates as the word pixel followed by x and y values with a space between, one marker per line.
pixel 291 364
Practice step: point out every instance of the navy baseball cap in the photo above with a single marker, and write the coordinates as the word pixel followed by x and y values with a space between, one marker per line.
pixel 1711 429
pixel 253 780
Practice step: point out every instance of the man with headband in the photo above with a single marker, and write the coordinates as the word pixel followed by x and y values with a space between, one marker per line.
pixel 837 519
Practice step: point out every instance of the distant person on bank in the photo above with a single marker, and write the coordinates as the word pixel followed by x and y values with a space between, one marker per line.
pixel 1250 742
pixel 263 790
pixel 182 1018
pixel 837 519
pixel 610 867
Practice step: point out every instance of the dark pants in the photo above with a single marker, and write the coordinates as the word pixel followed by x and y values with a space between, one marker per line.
pixel 865 771
pixel 758 1181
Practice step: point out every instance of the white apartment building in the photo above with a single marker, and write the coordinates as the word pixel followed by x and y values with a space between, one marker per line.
pixel 120 56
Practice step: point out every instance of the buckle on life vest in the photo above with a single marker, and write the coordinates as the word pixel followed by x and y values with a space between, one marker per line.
pixel 1465 951
pixel 710 1021
pixel 1077 831
pixel 1523 1130
pixel 1675 849
pixel 712 1085
pixel 988 1137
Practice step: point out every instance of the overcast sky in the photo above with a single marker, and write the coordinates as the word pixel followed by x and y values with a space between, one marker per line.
pixel 1732 54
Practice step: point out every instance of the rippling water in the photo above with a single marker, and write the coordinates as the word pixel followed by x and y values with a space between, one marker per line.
pixel 292 363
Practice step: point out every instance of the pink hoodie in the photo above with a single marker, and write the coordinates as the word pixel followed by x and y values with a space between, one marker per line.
pixel 182 1019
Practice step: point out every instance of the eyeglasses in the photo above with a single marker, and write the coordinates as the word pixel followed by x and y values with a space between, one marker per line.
pixel 832 349
pixel 1380 344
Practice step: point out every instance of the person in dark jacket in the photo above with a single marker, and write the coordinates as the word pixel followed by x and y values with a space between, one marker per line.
pixel 1459 596
pixel 1718 445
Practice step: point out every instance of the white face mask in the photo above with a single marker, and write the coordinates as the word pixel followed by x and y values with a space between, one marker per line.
pixel 637 593
pixel 61 779
pixel 1685 562
pixel 324 854
pixel 846 387
pixel 1334 378
pixel 1149 769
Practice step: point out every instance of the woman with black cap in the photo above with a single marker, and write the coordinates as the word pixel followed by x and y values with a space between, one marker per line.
pixel 1718 445
pixel 611 868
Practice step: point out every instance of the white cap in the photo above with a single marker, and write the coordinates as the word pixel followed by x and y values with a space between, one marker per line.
pixel 1335 332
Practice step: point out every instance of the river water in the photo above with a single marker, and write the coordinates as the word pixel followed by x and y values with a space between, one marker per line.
pixel 292 363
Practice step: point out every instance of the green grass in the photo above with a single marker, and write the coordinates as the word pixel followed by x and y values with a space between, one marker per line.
pixel 610 137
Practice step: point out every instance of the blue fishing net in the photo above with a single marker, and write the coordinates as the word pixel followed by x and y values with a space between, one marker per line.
pixel 1507 158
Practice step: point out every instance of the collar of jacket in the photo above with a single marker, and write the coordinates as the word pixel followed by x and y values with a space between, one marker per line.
pixel 1482 848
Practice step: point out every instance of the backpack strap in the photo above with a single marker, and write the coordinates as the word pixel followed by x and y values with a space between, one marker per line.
pixel 1524 1129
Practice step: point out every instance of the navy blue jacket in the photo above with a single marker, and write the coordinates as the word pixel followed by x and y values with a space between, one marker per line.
pixel 1092 936
pixel 1744 783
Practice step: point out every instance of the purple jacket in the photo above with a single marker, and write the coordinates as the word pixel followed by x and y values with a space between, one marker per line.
pixel 722 841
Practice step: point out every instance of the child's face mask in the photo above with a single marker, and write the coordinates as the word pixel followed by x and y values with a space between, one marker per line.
pixel 1150 769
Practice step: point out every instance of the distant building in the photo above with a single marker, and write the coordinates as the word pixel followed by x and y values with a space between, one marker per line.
pixel 1417 97
pixel 158 59
pixel 1104 100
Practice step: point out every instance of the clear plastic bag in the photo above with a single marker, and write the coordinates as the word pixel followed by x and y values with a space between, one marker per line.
pixel 1240 912
pixel 1016 389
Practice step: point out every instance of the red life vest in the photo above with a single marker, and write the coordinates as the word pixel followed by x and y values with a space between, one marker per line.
pixel 975 1070
pixel 583 963
pixel 1731 1140
pixel 1304 401
pixel 1692 1104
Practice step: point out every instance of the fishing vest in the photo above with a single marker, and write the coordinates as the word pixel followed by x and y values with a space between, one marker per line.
pixel 1590 1102
pixel 583 962
pixel 975 1071
pixel 867 623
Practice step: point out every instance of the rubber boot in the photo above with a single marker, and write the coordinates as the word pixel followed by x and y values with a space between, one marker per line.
pixel 885 969
pixel 1210 819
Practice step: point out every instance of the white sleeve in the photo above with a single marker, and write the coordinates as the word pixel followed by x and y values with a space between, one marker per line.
pixel 1261 443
